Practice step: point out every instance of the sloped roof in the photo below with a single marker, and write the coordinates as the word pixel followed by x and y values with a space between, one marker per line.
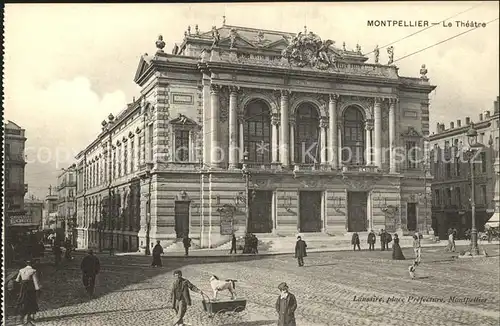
pixel 12 125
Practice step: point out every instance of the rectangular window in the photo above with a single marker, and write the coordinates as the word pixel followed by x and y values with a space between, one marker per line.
pixel 113 164
pixel 181 145
pixel 484 197
pixel 483 162
pixel 411 154
pixel 150 143
pixel 448 170
pixel 447 144
pixel 437 197
pixel 125 159
pixel 7 150
pixel 448 197
pixel 105 177
pixel 457 166
pixel 142 156
pixel 132 156
pixel 119 162
pixel 458 197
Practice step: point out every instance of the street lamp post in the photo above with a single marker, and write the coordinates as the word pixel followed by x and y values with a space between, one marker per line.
pixel 472 139
pixel 246 175
pixel 148 209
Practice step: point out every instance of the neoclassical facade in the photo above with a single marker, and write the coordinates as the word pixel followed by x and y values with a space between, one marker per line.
pixel 271 133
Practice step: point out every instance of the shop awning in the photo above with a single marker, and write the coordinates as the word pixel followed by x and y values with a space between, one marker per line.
pixel 494 220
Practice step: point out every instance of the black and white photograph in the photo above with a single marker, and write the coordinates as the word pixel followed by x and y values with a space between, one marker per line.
pixel 251 164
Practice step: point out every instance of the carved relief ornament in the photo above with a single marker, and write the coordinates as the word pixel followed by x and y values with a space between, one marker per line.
pixel 249 94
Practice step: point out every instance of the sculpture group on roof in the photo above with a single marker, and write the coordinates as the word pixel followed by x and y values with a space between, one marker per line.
pixel 307 49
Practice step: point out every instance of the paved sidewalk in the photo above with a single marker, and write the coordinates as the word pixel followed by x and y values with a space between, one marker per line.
pixel 225 253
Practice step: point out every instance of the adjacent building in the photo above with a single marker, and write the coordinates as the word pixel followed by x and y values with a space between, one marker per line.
pixel 66 202
pixel 451 187
pixel 34 208
pixel 50 210
pixel 251 130
pixel 16 219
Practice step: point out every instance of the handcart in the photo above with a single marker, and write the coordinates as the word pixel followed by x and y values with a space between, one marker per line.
pixel 224 311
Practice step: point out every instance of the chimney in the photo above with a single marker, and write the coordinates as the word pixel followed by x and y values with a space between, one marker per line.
pixel 452 125
pixel 495 105
pixel 487 114
pixel 459 123
pixel 438 127
pixel 467 121
pixel 480 117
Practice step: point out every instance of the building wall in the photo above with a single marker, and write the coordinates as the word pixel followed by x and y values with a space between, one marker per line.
pixel 34 209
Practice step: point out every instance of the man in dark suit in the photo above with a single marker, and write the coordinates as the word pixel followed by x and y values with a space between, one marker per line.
pixel 180 296
pixel 233 244
pixel 382 239
pixel 187 244
pixel 300 251
pixel 371 240
pixel 286 306
pixel 90 267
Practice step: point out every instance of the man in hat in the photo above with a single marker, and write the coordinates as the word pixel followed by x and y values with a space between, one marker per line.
pixel 90 267
pixel 300 251
pixel 180 296
pixel 286 306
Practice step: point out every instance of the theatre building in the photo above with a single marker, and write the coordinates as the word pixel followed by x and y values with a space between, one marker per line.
pixel 258 131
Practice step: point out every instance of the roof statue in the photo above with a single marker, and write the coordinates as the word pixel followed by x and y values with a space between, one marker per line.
pixel 309 50
pixel 215 36
pixel 390 52
pixel 175 50
pixel 160 44
pixel 232 37
pixel 423 72
pixel 377 53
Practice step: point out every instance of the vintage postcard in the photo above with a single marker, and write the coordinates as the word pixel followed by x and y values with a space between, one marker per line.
pixel 251 164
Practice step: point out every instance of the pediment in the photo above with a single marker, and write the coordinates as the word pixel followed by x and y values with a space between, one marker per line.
pixel 141 68
pixel 239 42
pixel 278 45
pixel 183 120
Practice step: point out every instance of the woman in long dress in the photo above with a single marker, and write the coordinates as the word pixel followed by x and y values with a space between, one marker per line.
pixel 27 302
pixel 397 253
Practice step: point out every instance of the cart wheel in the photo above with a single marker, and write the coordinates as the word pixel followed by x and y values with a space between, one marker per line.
pixel 220 317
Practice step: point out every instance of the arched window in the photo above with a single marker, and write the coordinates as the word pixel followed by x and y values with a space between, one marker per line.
pixel 257 134
pixel 307 134
pixel 353 140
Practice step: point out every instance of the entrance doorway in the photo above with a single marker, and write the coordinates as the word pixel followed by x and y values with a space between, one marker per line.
pixel 357 220
pixel 182 218
pixel 411 216
pixel 310 211
pixel 260 217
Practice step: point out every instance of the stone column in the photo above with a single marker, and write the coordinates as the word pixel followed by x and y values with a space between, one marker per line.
pixel 392 135
pixel 368 135
pixel 214 128
pixel 292 140
pixel 378 132
pixel 285 133
pixel 233 127
pixel 323 124
pixel 241 121
pixel 333 134
pixel 274 138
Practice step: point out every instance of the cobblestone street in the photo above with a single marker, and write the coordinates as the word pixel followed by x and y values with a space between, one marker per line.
pixel 328 288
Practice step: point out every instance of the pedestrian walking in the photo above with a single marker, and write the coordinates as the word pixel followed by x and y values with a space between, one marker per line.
pixel 255 244
pixel 300 251
pixel 397 253
pixel 157 252
pixel 57 253
pixel 27 301
pixel 233 244
pixel 90 267
pixel 355 241
pixel 286 306
pixel 372 238
pixel 180 296
pixel 388 239
pixel 416 248
pixel 187 244
pixel 451 241
pixel 382 239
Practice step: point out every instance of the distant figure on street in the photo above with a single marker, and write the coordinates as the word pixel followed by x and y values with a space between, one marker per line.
pixel 27 301
pixel 41 248
pixel 388 239
pixel 397 253
pixel 300 251
pixel 233 244
pixel 286 306
pixel 90 267
pixel 57 253
pixel 68 246
pixel 180 296
pixel 382 239
pixel 451 241
pixel 157 252
pixel 489 231
pixel 355 241
pixel 254 244
pixel 416 248
pixel 187 244
pixel 372 238
pixel 412 269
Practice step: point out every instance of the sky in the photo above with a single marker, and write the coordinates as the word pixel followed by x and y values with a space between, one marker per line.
pixel 67 66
